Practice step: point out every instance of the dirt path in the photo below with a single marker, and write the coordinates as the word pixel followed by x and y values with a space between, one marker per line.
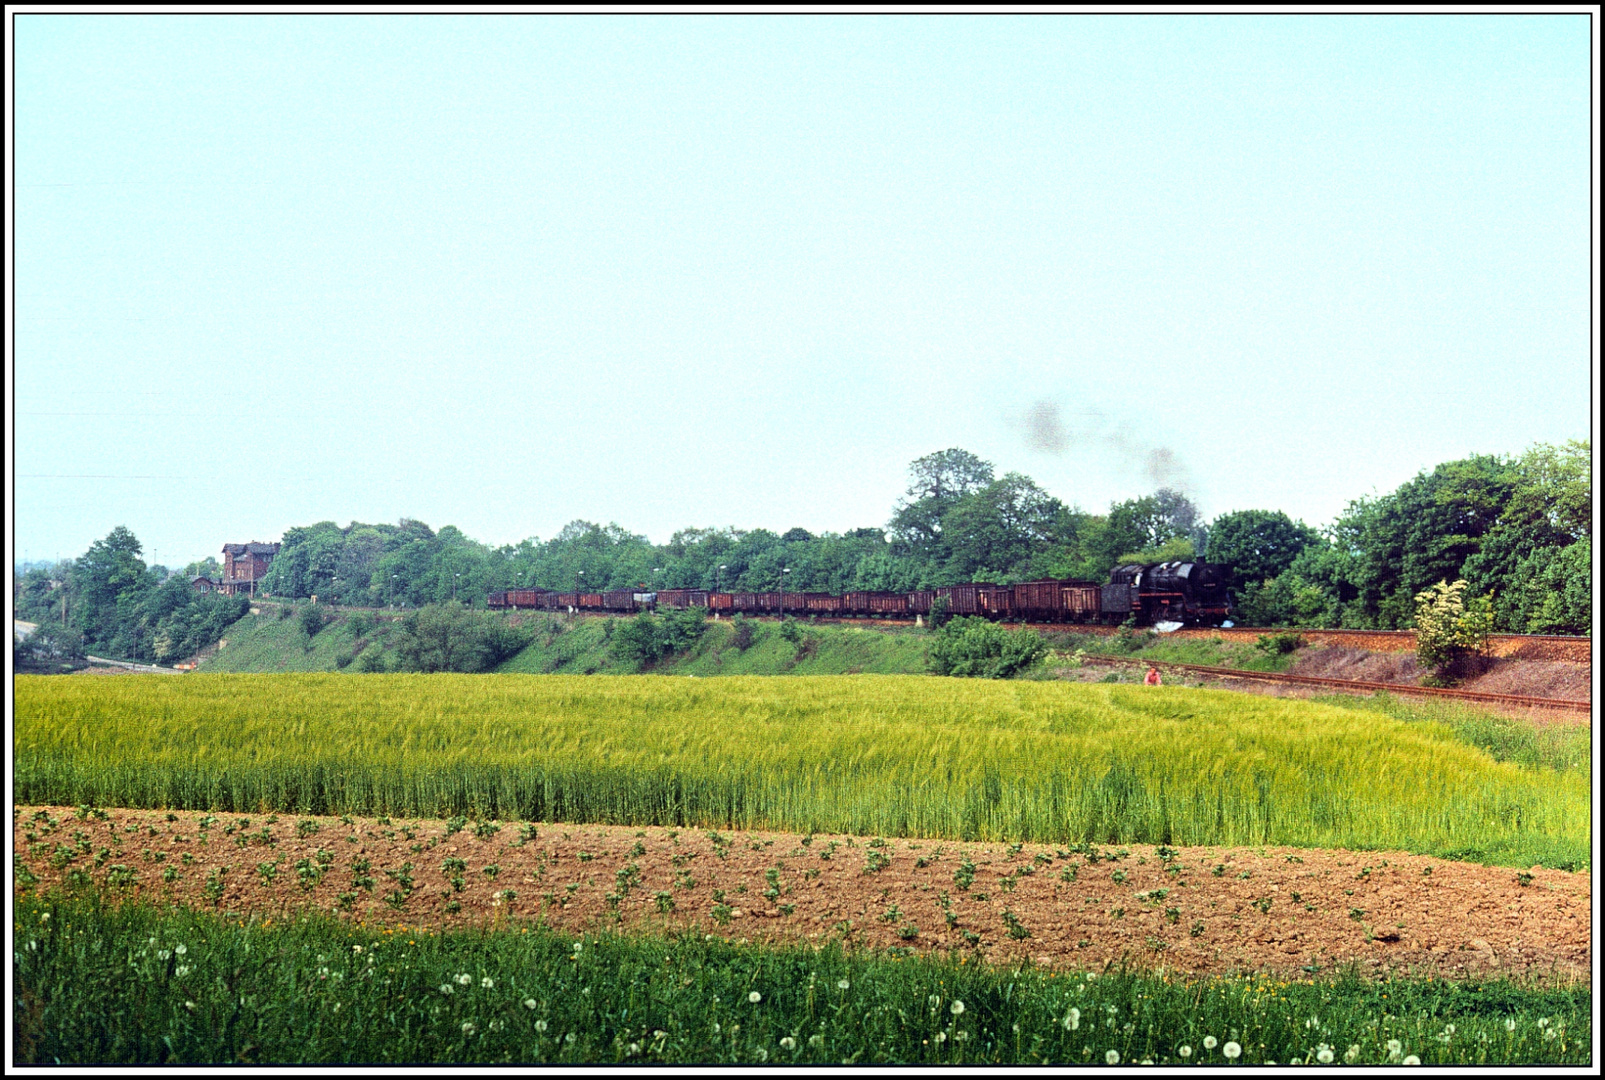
pixel 1196 910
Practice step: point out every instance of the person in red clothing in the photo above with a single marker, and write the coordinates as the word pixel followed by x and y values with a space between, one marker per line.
pixel 1152 678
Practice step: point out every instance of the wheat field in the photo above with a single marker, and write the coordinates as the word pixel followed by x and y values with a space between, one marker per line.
pixel 893 755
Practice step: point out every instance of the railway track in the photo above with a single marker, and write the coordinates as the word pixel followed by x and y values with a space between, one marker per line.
pixel 1576 650
pixel 1522 700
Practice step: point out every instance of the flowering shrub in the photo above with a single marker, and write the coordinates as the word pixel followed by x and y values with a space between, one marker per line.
pixel 1449 629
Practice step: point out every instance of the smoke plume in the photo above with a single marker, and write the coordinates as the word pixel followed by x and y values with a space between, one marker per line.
pixel 1046 430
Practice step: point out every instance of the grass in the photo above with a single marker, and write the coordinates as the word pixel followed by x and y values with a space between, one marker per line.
pixel 267 643
pixel 1212 652
pixel 98 984
pixel 889 755
pixel 580 647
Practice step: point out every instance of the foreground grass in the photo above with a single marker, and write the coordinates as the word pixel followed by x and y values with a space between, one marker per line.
pixel 892 755
pixel 97 984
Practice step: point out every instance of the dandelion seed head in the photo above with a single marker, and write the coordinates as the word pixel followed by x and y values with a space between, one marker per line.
pixel 957 1008
pixel 1185 1051
pixel 1411 1059
pixel 754 997
pixel 788 1043
pixel 1231 1050
pixel 843 984
pixel 487 982
pixel 1112 1057
pixel 464 979
pixel 1209 1042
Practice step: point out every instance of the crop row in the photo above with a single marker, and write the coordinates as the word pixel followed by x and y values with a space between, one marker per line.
pixel 893 755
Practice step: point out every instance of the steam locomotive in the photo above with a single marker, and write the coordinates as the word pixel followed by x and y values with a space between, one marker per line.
pixel 1189 593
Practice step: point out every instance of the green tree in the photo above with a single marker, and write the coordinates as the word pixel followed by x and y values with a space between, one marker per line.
pixel 994 532
pixel 1257 544
pixel 450 637
pixel 108 582
pixel 936 482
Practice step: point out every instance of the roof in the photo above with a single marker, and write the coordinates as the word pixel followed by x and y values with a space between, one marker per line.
pixel 253 548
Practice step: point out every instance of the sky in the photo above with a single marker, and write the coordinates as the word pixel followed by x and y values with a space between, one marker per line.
pixel 504 272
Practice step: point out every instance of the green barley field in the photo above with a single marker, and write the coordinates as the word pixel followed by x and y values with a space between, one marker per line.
pixel 868 754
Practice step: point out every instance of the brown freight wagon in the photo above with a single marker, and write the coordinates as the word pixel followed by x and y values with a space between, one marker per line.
pixel 496 600
pixel 672 597
pixel 619 600
pixel 819 603
pixel 590 601
pixel 961 599
pixel 919 601
pixel 1042 600
pixel 1081 600
pixel 885 603
pixel 525 598
pixel 751 603
pixel 995 600
pixel 568 600
pixel 721 601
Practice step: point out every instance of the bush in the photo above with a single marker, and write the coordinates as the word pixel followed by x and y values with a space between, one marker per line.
pixel 1279 644
pixel 450 637
pixel 939 616
pixel 790 630
pixel 741 633
pixel 638 641
pixel 977 648
pixel 360 623
pixel 682 629
pixel 285 612
pixel 313 619
pixel 1450 631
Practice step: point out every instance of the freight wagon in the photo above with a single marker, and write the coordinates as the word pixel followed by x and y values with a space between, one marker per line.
pixel 1180 591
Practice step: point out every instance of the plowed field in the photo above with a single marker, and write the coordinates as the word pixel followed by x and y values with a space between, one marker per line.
pixel 1196 910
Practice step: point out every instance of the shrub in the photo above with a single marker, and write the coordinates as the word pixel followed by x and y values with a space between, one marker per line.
pixel 313 619
pixel 638 641
pixel 1451 633
pixel 1279 644
pixel 741 633
pixel 975 647
pixel 790 630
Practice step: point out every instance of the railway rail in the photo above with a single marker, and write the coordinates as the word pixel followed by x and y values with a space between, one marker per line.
pixel 1523 700
pixel 1575 650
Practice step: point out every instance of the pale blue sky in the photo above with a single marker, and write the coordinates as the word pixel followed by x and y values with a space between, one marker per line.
pixel 503 272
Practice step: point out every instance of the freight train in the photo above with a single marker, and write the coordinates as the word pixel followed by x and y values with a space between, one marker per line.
pixel 1190 593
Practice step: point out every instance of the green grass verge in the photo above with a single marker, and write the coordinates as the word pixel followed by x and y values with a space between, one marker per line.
pixel 99 984
pixel 581 647
pixel 1212 652
pixel 889 755
pixel 267 643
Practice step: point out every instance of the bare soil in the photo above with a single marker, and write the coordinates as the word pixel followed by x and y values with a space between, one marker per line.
pixel 1195 910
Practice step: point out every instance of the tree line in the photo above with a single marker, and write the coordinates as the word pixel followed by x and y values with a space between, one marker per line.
pixel 1517 529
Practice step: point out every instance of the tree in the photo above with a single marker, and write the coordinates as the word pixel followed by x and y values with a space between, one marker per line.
pixel 936 482
pixel 1257 544
pixel 1181 517
pixel 995 531
pixel 107 583
pixel 450 637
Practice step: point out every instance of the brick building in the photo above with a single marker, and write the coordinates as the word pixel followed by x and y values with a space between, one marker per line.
pixel 244 565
